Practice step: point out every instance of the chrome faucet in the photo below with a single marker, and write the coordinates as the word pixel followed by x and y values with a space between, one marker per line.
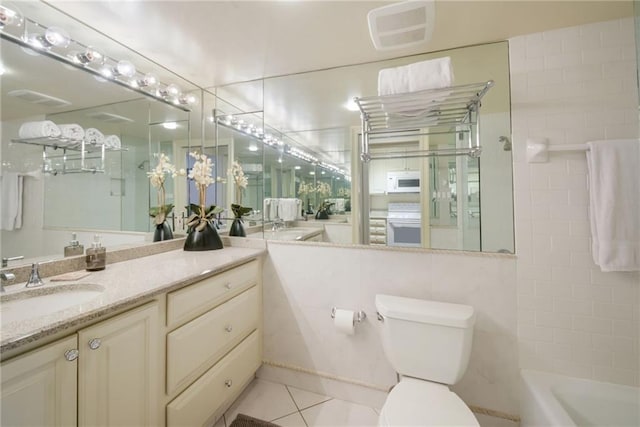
pixel 277 224
pixel 34 278
pixel 6 278
pixel 5 261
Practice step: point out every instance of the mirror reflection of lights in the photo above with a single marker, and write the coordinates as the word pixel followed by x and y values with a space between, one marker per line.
pixel 351 105
pixel 253 147
pixel 297 167
pixel 170 125
pixel 312 173
pixel 2 70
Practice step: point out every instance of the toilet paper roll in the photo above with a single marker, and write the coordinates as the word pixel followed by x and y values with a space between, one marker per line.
pixel 344 321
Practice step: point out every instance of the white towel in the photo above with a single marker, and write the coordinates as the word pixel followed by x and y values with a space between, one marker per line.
pixel 432 74
pixel 94 136
pixel 72 131
pixel 289 209
pixel 40 129
pixel 614 202
pixel 270 209
pixel 11 201
pixel 112 141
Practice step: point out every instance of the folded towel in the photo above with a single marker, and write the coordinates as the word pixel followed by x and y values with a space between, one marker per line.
pixel 614 202
pixel 393 80
pixel 73 132
pixel 11 211
pixel 432 74
pixel 40 129
pixel 112 141
pixel 93 136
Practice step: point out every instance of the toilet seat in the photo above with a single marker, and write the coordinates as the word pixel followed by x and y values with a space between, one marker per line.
pixel 415 402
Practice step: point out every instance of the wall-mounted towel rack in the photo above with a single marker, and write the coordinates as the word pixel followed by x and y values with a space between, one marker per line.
pixel 538 149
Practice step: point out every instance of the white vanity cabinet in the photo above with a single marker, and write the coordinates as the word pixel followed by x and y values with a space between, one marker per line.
pixel 39 388
pixel 216 347
pixel 119 370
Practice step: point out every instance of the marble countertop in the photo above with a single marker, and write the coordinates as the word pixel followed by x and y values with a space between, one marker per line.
pixel 125 284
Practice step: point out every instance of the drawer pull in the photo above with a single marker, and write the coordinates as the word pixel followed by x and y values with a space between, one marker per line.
pixel 228 286
pixel 71 355
pixel 94 344
pixel 228 328
pixel 228 383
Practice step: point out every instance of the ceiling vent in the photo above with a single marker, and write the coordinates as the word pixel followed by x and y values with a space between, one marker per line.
pixel 109 118
pixel 402 24
pixel 38 98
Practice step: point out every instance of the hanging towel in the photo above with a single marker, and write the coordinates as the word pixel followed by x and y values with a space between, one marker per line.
pixel 11 201
pixel 94 136
pixel 423 75
pixel 289 209
pixel 614 203
pixel 72 131
pixel 40 129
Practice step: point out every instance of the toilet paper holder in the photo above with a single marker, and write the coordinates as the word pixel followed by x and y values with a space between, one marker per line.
pixel 359 316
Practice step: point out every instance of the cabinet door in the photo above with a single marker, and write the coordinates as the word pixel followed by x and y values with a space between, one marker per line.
pixel 118 372
pixel 39 388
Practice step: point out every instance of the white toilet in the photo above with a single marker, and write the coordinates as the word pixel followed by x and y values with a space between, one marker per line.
pixel 428 343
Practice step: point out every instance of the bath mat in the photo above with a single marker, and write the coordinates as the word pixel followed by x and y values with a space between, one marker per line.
pixel 247 421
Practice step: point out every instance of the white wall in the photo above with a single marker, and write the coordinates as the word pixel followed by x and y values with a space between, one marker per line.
pixel 303 282
pixel 571 86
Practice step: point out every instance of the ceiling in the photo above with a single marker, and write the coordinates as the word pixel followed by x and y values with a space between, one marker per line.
pixel 212 43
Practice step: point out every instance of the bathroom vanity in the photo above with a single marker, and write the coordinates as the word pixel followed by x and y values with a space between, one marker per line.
pixel 172 340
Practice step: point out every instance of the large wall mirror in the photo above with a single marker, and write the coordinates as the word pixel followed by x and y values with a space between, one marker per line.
pixel 64 190
pixel 469 200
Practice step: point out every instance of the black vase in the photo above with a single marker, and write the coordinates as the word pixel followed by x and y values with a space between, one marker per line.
pixel 237 229
pixel 322 215
pixel 162 232
pixel 206 240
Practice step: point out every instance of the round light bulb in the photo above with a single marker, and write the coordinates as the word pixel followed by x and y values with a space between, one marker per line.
pixel 173 90
pixel 55 36
pixel 124 68
pixel 148 80
pixel 9 17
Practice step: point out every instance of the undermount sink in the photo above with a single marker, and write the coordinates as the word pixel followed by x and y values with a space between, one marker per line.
pixel 46 300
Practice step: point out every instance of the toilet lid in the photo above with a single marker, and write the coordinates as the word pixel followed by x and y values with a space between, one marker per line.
pixel 421 403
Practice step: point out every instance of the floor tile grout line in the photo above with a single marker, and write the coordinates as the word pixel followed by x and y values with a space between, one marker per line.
pixel 296 403
pixel 292 398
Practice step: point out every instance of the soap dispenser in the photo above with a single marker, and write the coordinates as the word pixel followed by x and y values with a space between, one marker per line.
pixel 96 258
pixel 74 247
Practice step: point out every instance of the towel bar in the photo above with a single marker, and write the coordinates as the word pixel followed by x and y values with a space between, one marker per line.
pixel 538 149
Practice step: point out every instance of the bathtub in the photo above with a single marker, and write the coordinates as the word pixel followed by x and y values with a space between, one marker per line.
pixel 555 400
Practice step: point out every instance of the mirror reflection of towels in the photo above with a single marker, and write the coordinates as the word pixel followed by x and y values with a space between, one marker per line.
pixel 11 209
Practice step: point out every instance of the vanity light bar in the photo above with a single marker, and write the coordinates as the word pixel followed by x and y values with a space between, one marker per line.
pixel 56 43
pixel 228 120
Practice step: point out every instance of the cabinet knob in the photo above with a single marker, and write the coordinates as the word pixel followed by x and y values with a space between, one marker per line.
pixel 228 328
pixel 94 344
pixel 228 286
pixel 71 355
pixel 228 383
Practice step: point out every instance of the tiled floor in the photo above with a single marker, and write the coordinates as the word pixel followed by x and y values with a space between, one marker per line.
pixel 291 407
pixel 288 406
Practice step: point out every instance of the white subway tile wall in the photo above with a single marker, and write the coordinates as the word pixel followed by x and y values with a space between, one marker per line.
pixel 571 86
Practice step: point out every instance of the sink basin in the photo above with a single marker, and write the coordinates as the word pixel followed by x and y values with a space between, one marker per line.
pixel 46 300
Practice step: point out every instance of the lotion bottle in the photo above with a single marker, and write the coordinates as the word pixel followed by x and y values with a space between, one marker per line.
pixel 74 247
pixel 96 258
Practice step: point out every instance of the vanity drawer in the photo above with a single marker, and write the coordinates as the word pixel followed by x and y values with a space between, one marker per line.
pixel 220 384
pixel 196 346
pixel 187 303
pixel 378 223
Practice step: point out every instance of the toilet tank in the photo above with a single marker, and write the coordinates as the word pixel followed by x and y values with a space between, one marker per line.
pixel 425 339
